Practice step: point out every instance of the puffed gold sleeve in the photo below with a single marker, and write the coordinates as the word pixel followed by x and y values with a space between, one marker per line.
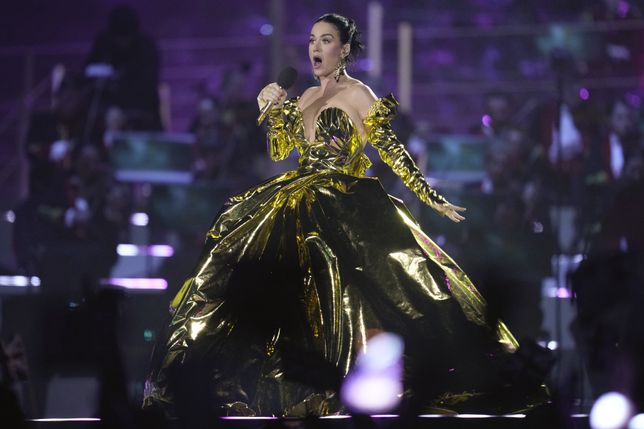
pixel 377 125
pixel 280 135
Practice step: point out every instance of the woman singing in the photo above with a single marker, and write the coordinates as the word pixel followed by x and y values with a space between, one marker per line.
pixel 303 268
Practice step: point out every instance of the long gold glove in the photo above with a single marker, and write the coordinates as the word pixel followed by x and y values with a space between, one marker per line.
pixel 380 134
pixel 281 138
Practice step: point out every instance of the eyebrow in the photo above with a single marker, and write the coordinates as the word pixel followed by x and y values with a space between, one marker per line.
pixel 325 34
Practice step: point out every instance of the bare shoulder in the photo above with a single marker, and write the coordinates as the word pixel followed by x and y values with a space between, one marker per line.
pixel 307 95
pixel 362 97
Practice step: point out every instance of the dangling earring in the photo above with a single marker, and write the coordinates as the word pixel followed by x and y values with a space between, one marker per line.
pixel 340 69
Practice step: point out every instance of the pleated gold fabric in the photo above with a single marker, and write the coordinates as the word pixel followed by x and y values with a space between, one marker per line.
pixel 299 271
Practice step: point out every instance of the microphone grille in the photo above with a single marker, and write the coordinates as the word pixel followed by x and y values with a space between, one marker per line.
pixel 287 77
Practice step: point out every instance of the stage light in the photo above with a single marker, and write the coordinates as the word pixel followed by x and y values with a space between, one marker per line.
pixel 266 30
pixel 584 94
pixel 552 345
pixel 372 393
pixel 10 216
pixel 486 120
pixel 374 385
pixel 136 283
pixel 66 420
pixel 637 422
pixel 148 335
pixel 563 292
pixel 611 411
pixel 473 416
pixel 249 418
pixel 160 250
pixel 551 291
pixel 139 219
pixel 127 250
pixel 19 281
pixel 381 352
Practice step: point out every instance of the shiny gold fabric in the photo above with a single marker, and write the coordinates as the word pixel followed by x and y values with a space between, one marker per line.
pixel 306 266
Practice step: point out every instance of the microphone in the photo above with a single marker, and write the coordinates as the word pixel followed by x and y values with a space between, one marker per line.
pixel 286 79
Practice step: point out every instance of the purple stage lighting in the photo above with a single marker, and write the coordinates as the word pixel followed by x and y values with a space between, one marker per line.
pixel 266 30
pixel 139 219
pixel 636 422
pixel 158 250
pixel 137 283
pixel 19 281
pixel 612 410
pixel 374 385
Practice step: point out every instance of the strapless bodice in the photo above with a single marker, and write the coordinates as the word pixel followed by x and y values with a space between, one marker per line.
pixel 338 144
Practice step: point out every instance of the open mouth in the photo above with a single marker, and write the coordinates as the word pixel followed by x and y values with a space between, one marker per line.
pixel 317 61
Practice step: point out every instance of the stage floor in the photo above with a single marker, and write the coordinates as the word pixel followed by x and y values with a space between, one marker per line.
pixel 429 421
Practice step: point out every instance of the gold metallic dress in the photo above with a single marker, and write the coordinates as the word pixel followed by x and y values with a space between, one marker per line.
pixel 299 271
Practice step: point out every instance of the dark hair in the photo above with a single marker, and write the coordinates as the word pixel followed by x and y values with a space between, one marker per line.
pixel 348 30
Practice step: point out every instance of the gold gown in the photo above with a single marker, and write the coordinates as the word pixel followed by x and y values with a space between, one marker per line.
pixel 299 271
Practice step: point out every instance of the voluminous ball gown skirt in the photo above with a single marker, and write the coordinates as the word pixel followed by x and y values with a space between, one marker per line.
pixel 295 276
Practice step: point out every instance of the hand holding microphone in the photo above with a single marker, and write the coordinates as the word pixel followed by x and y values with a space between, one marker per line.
pixel 274 94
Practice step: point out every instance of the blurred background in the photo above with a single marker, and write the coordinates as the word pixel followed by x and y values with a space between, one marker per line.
pixel 125 125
